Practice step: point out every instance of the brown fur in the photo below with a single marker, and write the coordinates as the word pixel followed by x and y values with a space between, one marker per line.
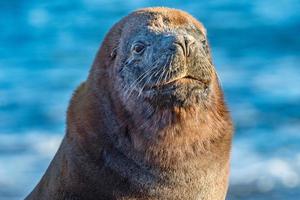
pixel 105 154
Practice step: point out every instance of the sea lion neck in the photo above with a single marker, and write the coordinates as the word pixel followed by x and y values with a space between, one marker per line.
pixel 146 161
pixel 180 134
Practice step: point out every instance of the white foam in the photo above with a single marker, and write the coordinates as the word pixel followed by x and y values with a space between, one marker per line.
pixel 21 169
pixel 249 167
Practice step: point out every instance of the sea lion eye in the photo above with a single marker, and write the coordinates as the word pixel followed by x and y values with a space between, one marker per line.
pixel 138 48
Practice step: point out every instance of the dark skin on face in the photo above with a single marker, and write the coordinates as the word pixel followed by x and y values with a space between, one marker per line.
pixel 167 67
pixel 150 122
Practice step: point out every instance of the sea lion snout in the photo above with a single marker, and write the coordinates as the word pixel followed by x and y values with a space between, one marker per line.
pixel 183 43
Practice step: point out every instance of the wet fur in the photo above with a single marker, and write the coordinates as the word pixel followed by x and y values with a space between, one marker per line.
pixel 117 150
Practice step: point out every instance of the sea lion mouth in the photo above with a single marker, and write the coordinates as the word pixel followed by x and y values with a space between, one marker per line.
pixel 184 91
pixel 175 83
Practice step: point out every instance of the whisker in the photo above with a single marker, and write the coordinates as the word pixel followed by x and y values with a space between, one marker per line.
pixel 135 83
pixel 149 79
pixel 170 71
pixel 162 74
pixel 151 75
pixel 138 80
pixel 167 72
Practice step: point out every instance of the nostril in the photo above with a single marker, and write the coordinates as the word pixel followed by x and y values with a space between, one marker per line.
pixel 185 45
pixel 188 44
pixel 182 46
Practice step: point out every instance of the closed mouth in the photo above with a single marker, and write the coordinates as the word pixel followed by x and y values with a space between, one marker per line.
pixel 173 84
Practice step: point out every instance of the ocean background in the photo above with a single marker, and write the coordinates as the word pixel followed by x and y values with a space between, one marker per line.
pixel 47 48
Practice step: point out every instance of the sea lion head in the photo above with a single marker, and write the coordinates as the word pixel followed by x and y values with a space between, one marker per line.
pixel 155 87
pixel 160 56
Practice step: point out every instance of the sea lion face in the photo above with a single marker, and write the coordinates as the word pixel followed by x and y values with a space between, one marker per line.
pixel 164 59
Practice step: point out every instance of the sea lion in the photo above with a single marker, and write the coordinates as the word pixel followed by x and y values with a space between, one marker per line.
pixel 150 122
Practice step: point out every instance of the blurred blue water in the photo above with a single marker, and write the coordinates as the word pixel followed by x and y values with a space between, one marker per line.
pixel 47 48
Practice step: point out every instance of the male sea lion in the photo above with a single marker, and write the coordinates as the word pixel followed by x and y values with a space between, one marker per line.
pixel 150 122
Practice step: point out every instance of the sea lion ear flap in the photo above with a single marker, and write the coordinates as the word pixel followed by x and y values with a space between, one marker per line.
pixel 113 53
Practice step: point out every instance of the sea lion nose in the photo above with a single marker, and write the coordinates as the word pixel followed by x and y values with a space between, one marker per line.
pixel 184 43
